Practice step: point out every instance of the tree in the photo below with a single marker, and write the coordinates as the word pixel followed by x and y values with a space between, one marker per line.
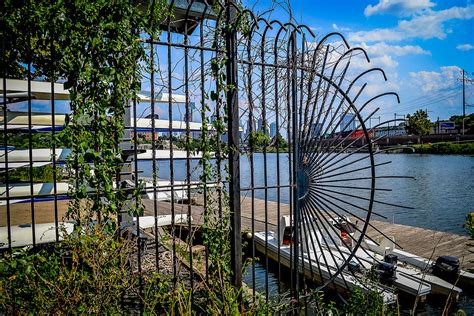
pixel 418 123
pixel 278 139
pixel 258 140
pixel 468 122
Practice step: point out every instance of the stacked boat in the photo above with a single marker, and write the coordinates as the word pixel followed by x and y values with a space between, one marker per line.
pixel 333 255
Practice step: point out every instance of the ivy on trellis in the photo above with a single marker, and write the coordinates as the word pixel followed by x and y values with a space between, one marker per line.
pixel 93 46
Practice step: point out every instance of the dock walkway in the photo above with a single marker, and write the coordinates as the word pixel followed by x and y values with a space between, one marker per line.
pixel 424 242
pixel 420 241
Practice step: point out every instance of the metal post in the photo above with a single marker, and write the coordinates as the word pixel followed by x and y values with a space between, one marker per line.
pixel 233 142
pixel 463 101
pixel 296 195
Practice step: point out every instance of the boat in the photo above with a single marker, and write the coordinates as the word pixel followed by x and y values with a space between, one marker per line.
pixel 22 235
pixel 445 269
pixel 335 249
pixel 147 222
pixel 33 122
pixel 407 271
pixel 277 247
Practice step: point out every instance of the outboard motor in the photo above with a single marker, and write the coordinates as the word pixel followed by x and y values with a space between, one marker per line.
pixel 391 258
pixel 354 267
pixel 386 272
pixel 446 267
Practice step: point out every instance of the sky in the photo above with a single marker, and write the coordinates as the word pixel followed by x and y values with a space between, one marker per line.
pixel 421 44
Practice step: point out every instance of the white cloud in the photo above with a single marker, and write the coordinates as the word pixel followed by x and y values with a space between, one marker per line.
pixel 435 81
pixel 381 48
pixel 382 61
pixel 465 47
pixel 339 28
pixel 429 24
pixel 398 7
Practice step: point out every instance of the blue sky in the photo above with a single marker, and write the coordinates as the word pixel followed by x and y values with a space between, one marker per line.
pixel 421 44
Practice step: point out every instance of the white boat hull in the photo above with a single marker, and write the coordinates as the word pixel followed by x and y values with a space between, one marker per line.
pixel 22 235
pixel 340 283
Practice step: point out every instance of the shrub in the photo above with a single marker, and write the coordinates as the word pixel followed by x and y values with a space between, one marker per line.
pixel 87 273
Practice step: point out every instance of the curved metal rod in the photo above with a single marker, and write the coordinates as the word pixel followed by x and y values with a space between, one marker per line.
pixel 316 155
pixel 300 26
pixel 348 52
pixel 318 47
pixel 372 164
pixel 306 140
pixel 295 30
pixel 268 27
pixel 169 15
pixel 379 96
pixel 282 27
pixel 318 159
pixel 308 84
pixel 255 23
pixel 318 89
pixel 331 78
pixel 349 89
pixel 292 38
pixel 241 14
pixel 204 12
pixel 293 25
pixel 367 71
pixel 218 19
pixel 328 36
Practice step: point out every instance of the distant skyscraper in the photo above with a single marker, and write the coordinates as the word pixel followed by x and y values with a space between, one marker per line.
pixel 260 125
pixel 346 124
pixel 316 129
pixel 273 129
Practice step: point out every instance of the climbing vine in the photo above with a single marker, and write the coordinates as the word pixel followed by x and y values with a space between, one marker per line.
pixel 94 47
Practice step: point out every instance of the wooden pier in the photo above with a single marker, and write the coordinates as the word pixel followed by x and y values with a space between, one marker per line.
pixel 424 242
pixel 420 241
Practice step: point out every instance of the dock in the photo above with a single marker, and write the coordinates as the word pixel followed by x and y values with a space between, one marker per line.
pixel 424 242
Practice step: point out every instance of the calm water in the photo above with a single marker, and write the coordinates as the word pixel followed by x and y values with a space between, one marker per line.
pixel 441 193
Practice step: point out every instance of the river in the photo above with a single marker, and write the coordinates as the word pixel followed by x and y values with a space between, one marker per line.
pixel 440 195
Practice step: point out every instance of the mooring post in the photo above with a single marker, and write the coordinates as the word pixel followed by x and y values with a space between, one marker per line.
pixel 233 142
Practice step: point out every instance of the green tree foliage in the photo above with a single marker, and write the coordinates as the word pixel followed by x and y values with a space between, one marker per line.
pixel 282 143
pixel 38 140
pixel 468 122
pixel 418 123
pixel 40 174
pixel 446 148
pixel 258 140
pixel 470 224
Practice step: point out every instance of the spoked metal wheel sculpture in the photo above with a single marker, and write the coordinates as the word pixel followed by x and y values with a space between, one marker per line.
pixel 316 93
pixel 334 166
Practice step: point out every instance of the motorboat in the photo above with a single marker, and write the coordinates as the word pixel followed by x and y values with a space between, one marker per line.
pixel 318 263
